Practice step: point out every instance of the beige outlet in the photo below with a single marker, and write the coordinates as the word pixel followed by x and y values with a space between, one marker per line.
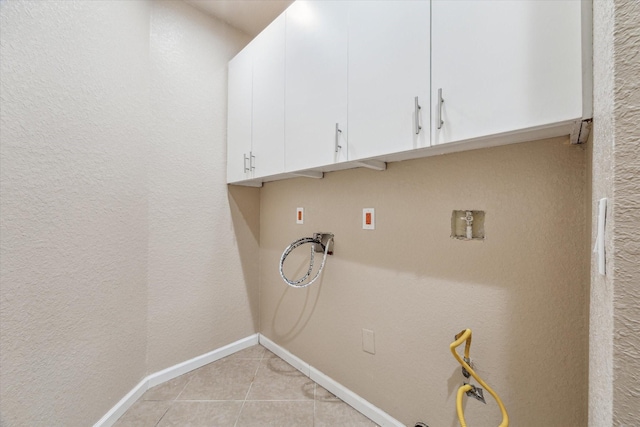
pixel 368 341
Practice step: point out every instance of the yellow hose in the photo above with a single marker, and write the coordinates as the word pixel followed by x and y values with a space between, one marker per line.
pixel 461 391
pixel 460 338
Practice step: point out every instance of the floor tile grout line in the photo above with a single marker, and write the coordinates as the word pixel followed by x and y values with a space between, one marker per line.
pixel 183 388
pixel 163 415
pixel 236 400
pixel 211 401
pixel 173 401
pixel 261 362
pixel 249 390
pixel 280 400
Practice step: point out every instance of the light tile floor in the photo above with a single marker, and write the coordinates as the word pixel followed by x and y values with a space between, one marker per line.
pixel 253 387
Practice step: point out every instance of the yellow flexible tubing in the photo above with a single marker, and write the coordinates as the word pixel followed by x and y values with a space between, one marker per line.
pixel 461 391
pixel 460 338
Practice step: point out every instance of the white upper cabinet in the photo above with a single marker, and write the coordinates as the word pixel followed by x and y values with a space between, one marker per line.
pixel 332 83
pixel 239 117
pixel 504 66
pixel 316 84
pixel 255 124
pixel 268 100
pixel 389 77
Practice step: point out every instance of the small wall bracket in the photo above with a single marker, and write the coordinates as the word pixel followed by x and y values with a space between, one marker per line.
pixel 580 132
pixel 476 393
pixel 466 373
pixel 326 239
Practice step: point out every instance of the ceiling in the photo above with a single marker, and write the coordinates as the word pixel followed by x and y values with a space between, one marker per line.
pixel 250 16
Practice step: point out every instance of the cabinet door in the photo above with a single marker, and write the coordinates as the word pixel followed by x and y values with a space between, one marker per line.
pixel 316 84
pixel 268 99
pixel 239 117
pixel 503 66
pixel 389 67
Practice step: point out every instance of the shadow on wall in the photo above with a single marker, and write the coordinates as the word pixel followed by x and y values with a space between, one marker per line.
pixel 522 288
pixel 303 313
pixel 244 203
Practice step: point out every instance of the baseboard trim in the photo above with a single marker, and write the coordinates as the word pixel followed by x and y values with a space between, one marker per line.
pixel 121 407
pixel 361 405
pixel 199 361
pixel 285 355
pixel 170 373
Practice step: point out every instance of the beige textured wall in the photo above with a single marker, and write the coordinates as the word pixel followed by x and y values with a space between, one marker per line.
pixel 73 198
pixel 626 213
pixel 200 297
pixel 122 251
pixel 601 304
pixel 615 301
pixel 523 291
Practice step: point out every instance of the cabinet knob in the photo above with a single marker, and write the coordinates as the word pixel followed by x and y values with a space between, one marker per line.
pixel 338 132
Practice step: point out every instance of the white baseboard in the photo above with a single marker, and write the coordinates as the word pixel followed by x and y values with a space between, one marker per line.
pixel 367 409
pixel 121 407
pixel 170 373
pixel 283 354
pixel 370 411
pixel 199 361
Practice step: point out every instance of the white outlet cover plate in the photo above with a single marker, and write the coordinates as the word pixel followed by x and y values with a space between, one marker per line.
pixel 368 219
pixel 299 215
pixel 368 341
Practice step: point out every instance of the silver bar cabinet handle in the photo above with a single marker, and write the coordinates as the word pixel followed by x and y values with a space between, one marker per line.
pixel 440 102
pixel 338 132
pixel 251 158
pixel 417 116
pixel 246 169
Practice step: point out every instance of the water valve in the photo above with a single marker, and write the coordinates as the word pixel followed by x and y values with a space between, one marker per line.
pixel 476 393
pixel 326 239
pixel 467 224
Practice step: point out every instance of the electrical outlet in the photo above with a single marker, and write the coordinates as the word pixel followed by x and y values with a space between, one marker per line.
pixel 368 341
pixel 368 219
pixel 299 215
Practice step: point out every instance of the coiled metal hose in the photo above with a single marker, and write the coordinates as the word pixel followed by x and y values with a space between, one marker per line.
pixel 300 282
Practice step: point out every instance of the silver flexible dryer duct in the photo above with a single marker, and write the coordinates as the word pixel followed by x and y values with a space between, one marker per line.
pixel 299 283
